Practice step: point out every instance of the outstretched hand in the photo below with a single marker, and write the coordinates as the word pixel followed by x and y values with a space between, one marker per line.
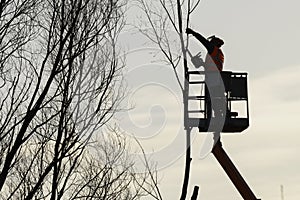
pixel 189 31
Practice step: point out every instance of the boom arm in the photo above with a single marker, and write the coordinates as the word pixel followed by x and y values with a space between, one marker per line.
pixel 232 172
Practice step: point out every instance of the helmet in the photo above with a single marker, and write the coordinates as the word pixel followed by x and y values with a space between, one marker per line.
pixel 218 42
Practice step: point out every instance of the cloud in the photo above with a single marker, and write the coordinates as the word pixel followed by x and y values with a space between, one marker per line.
pixel 278 86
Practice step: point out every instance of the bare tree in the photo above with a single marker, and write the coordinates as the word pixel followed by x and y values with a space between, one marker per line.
pixel 163 18
pixel 108 172
pixel 60 83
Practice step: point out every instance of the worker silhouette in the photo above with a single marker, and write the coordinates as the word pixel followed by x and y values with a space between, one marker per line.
pixel 215 58
pixel 214 92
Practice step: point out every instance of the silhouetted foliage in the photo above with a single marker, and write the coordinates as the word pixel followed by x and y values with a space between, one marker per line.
pixel 60 83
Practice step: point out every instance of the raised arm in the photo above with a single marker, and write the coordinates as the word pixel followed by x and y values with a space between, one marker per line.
pixel 203 40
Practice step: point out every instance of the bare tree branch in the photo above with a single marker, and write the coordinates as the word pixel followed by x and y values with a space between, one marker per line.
pixel 60 84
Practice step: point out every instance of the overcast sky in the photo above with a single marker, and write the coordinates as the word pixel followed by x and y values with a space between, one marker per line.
pixel 261 38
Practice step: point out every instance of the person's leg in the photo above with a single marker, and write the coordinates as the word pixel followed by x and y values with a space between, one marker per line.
pixel 219 101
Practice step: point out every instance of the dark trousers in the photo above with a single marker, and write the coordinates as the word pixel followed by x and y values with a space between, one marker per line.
pixel 215 102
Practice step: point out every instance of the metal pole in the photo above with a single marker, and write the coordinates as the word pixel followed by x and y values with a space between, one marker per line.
pixel 282 194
